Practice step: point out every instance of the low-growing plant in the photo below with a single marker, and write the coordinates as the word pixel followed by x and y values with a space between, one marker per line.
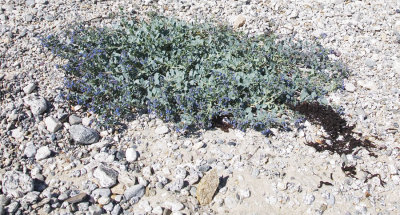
pixel 191 73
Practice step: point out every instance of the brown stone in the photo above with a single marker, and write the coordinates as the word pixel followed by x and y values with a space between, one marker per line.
pixel 78 198
pixel 207 187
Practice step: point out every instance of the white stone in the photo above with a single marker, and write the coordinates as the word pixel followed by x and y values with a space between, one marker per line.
pixel 131 155
pixel 52 124
pixel 43 153
pixel 350 87
pixel 174 205
pixel 29 88
pixel 162 130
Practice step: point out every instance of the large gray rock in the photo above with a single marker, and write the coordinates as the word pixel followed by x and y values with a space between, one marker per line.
pixel 107 177
pixel 38 105
pixel 83 135
pixel 16 184
pixel 136 191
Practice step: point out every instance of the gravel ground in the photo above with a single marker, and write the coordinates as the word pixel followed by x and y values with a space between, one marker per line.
pixel 54 160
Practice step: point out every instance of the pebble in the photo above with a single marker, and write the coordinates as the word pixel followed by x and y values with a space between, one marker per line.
pixel 16 184
pixel 30 150
pixel 135 191
pixel 52 124
pixel 131 155
pixel 95 210
pixel 162 130
pixel 77 198
pixel 107 176
pixel 42 153
pixel 370 63
pixel 31 86
pixel 174 206
pixel 350 87
pixel 157 210
pixel 74 120
pixel 83 135
pixel 38 105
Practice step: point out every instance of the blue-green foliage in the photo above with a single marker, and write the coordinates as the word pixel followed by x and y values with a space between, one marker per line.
pixel 191 73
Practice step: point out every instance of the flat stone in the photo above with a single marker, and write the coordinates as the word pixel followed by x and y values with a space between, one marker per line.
pixel 131 155
pixel 30 150
pixel 162 130
pixel 239 21
pixel 107 176
pixel 74 119
pixel 43 153
pixel 78 198
pixel 207 187
pixel 16 183
pixel 31 86
pixel 135 191
pixel 52 124
pixel 83 135
pixel 38 105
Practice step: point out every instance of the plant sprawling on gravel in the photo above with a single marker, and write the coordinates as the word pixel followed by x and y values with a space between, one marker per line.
pixel 191 73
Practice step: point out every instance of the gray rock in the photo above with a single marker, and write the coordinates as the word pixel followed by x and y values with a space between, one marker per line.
pixel 13 207
pixel 4 200
pixel 43 153
pixel 177 185
pixel 83 206
pixel 95 210
pixel 180 173
pixel 31 197
pixel 162 130
pixel 16 184
pixel 74 119
pixel 131 155
pixel 370 63
pixel 30 150
pixel 116 210
pixel 30 3
pixel 52 124
pixel 83 135
pixel 101 192
pixel 135 191
pixel 31 86
pixel 108 207
pixel 38 105
pixel 107 177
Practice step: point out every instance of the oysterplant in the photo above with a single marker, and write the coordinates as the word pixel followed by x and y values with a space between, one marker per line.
pixel 190 73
